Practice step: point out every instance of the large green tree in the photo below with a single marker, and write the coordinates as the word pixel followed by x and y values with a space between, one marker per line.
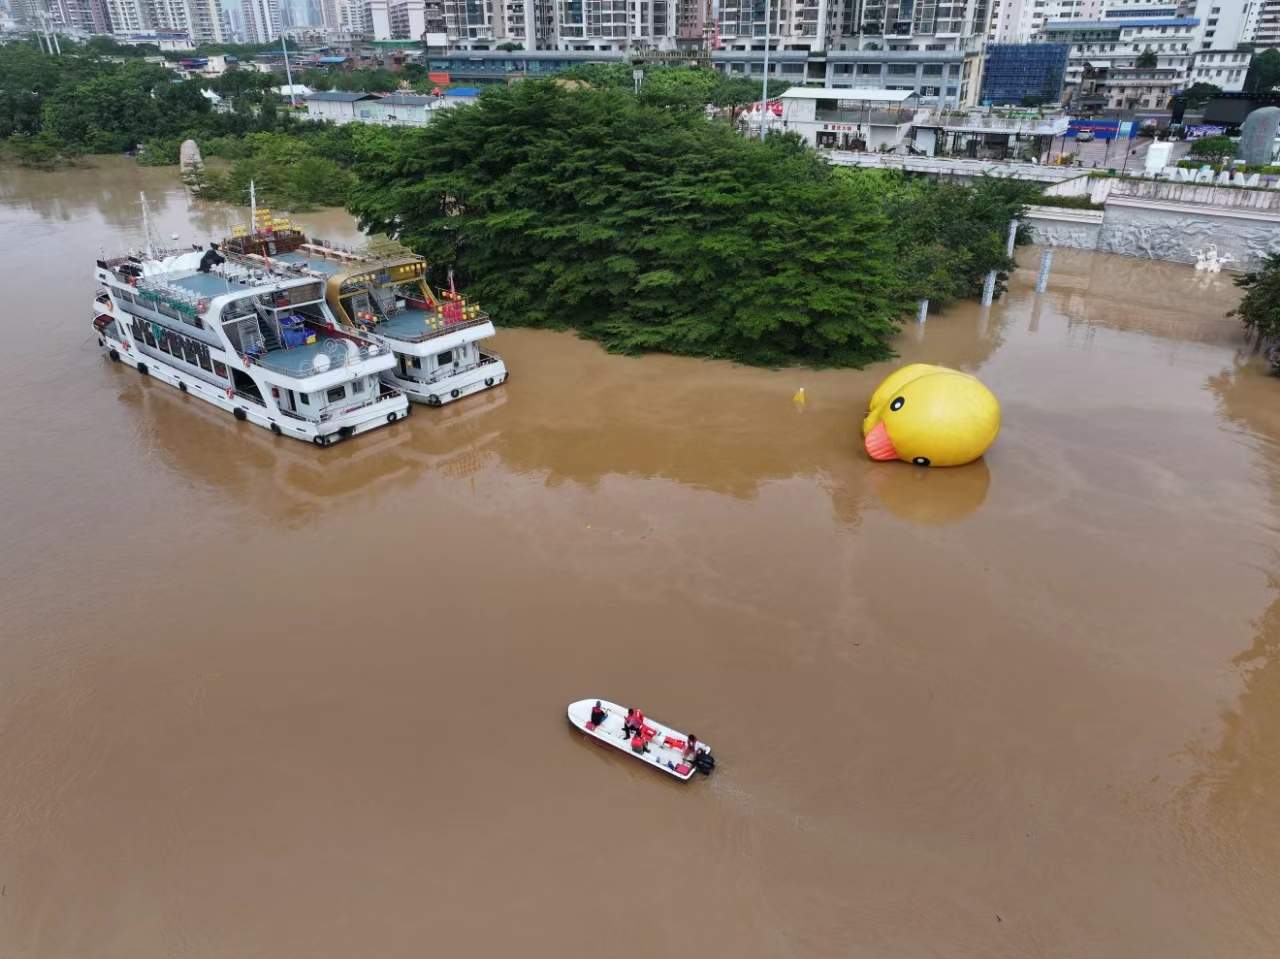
pixel 1264 72
pixel 641 225
pixel 1259 309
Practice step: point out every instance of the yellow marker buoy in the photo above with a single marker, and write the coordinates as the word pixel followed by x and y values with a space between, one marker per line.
pixel 798 399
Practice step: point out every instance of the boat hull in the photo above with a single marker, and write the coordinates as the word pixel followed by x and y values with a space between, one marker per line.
pixel 450 388
pixel 666 758
pixel 319 434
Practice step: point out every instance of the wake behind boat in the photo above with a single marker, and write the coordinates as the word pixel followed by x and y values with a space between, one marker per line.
pixel 666 747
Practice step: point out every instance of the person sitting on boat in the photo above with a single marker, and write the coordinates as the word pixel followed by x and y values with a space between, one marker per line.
pixel 639 745
pixel 598 715
pixel 634 721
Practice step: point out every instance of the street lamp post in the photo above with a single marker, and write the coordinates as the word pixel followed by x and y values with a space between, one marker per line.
pixel 764 94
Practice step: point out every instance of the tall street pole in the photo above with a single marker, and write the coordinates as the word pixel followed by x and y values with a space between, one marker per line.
pixel 288 74
pixel 764 96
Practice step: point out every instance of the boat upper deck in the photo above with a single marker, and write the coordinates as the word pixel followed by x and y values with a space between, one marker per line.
pixel 207 285
pixel 414 325
pixel 316 264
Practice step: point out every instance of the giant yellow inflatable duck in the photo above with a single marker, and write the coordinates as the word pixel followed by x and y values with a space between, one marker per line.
pixel 930 416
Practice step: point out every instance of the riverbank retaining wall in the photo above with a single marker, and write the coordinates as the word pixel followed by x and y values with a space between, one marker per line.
pixel 1160 220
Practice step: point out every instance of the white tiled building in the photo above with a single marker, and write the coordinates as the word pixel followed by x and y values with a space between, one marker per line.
pixel 1222 68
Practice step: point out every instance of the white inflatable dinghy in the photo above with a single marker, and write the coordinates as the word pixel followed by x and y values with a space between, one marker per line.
pixel 665 747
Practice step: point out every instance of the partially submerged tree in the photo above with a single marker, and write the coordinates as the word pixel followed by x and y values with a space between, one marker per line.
pixel 642 225
pixel 1259 310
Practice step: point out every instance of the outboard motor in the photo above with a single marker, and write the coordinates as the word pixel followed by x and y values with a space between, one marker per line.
pixel 704 762
pixel 211 258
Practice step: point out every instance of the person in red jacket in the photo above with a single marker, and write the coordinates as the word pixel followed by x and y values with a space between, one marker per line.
pixel 598 715
pixel 634 722
pixel 639 744
pixel 691 748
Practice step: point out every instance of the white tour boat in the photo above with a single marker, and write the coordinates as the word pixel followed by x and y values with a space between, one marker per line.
pixel 250 338
pixel 666 746
pixel 434 337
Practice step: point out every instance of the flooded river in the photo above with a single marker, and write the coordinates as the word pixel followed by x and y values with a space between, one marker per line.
pixel 262 700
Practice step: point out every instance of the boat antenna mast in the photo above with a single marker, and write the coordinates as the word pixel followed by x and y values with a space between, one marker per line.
pixel 288 74
pixel 148 230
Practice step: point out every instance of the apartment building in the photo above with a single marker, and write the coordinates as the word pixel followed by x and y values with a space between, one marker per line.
pixel 1107 66
pixel 205 21
pixel 1267 28
pixel 1222 68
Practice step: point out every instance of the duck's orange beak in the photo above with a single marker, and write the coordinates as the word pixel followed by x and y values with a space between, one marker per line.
pixel 878 444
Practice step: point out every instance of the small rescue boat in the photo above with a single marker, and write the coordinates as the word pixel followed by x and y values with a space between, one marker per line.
pixel 665 746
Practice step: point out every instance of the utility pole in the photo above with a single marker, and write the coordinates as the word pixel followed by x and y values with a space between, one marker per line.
pixel 288 74
pixel 764 96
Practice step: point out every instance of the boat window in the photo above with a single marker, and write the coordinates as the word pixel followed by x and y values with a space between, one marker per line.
pixel 219 369
pixel 306 398
pixel 445 358
pixel 337 393
pixel 417 362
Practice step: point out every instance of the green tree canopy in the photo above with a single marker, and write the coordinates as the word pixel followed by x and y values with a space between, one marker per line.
pixel 1259 310
pixel 1198 94
pixel 644 227
pixel 1213 148
pixel 648 228
pixel 1264 72
pixel 1147 58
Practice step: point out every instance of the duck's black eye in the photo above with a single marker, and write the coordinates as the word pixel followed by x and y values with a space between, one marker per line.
pixel 897 404
pixel 921 461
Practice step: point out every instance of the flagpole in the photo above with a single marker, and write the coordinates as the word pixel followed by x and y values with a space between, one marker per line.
pixel 764 101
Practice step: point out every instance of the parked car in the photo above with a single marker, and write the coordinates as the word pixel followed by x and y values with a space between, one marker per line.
pixel 1084 136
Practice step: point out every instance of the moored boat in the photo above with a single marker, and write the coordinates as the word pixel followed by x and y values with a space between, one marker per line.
pixel 666 745
pixel 245 336
pixel 434 336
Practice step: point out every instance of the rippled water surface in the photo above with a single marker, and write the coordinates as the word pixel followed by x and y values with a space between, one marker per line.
pixel 263 700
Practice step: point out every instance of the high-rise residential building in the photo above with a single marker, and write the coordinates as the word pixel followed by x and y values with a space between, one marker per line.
pixel 407 19
pixel 379 14
pixel 1019 21
pixel 128 16
pixel 1267 29
pixel 205 23
pixel 261 20
pixel 352 16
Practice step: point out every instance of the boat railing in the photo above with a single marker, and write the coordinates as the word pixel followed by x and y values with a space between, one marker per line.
pixel 384 393
pixel 444 329
pixel 250 397
pixel 338 351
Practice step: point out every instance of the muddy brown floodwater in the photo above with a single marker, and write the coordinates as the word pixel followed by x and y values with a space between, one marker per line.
pixel 262 700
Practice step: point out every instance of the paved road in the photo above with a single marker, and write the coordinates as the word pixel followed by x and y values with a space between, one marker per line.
pixel 1101 155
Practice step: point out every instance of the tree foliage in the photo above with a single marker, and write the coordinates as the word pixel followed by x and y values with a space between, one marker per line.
pixel 82 103
pixel 1147 58
pixel 1264 72
pixel 1213 148
pixel 648 228
pixel 363 81
pixel 1259 310
pixel 1198 94
pixel 677 85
